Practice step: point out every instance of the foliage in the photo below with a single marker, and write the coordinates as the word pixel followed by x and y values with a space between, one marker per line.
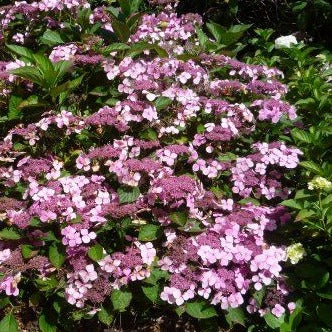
pixel 146 171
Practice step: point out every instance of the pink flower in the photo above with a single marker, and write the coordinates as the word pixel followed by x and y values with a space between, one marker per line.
pixel 278 310
pixel 9 284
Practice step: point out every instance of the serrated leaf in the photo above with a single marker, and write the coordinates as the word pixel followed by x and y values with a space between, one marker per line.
pixel 273 321
pixel 162 102
pixel 304 214
pixel 249 200
pixel 105 316
pixel 292 204
pixel 148 134
pixel 56 255
pixel 155 275
pixel 47 284
pixel 140 47
pixel 14 111
pixel 121 30
pixel 303 193
pixel 125 6
pixel 121 299
pixel 312 166
pixel 51 38
pixel 20 50
pixel 149 232
pixel 301 135
pixel 66 87
pixel 200 309
pixel 128 195
pixel 9 324
pixel 151 292
pixel 180 218
pixel 28 251
pixel 96 252
pixel 9 234
pixel 216 30
pixel 32 101
pixel 46 323
pixel 30 73
pixel 235 316
pixel 115 47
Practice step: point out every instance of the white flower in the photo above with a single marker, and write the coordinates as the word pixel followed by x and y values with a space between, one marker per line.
pixel 285 41
pixel 319 182
pixel 295 252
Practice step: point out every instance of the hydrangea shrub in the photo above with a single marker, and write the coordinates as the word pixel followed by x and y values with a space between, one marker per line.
pixel 157 174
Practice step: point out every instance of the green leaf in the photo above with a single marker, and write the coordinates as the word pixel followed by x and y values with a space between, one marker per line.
pixel 327 200
pixel 155 275
pixel 125 6
pixel 162 102
pixel 29 73
pixel 148 134
pixel 326 293
pixel 60 69
pixel 303 193
pixel 135 5
pixel 51 38
pixel 14 111
pixel 56 255
pixel 121 299
pixel 228 156
pixel 249 200
pixel 20 50
pixel 203 38
pixel 259 296
pixel 9 324
pixel 296 316
pixel 32 101
pixel 229 36
pixel 301 135
pixel 96 252
pixel 66 87
pixel 4 302
pixel 140 47
pixel 128 195
pixel 304 214
pixel 47 284
pixel 292 204
pixel 9 234
pixel 115 47
pixel 180 218
pixel 149 232
pixel 312 166
pixel 235 316
pixel 200 309
pixel 180 310
pixel 28 251
pixel 105 316
pixel 46 322
pixel 324 313
pixel 273 321
pixel 121 30
pixel 216 30
pixel 151 292
pixel 46 69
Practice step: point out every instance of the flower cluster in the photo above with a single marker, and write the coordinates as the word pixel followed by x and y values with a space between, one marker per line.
pixel 152 178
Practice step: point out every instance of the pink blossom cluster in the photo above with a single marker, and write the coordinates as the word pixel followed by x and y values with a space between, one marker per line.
pixel 168 30
pixel 172 151
pixel 224 263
